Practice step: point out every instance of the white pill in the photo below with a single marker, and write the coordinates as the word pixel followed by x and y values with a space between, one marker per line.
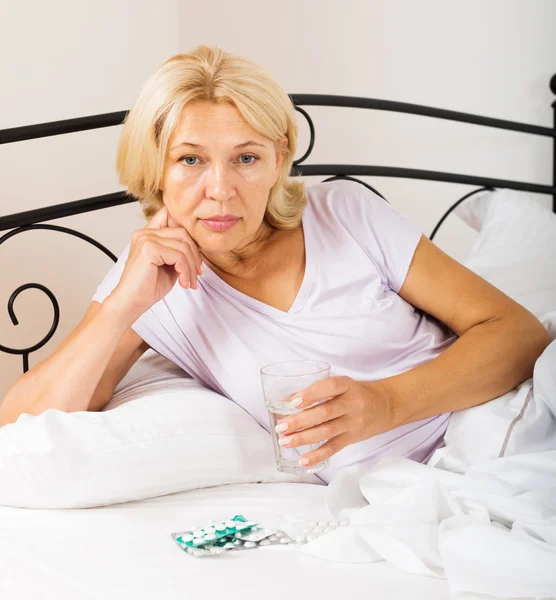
pixel 237 534
pixel 198 552
pixel 273 538
pixel 211 523
pixel 229 545
pixel 237 543
pixel 231 524
pixel 300 539
pixel 285 540
pixel 249 545
pixel 199 533
pixel 279 534
pixel 265 543
pixel 317 530
pixel 187 538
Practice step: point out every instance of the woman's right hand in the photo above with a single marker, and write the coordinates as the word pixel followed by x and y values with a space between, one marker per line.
pixel 160 253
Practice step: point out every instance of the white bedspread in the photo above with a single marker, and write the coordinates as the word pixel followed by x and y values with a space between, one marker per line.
pixel 482 513
pixel 125 551
pixel 469 523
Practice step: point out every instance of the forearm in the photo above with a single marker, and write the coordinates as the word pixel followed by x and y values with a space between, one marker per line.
pixel 487 361
pixel 67 379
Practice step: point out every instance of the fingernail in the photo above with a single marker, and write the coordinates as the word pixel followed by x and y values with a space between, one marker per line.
pixel 303 461
pixel 284 441
pixel 297 401
pixel 281 427
pixel 201 269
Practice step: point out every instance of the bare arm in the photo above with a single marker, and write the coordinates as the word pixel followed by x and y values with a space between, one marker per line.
pixel 87 366
pixel 82 373
pixel 498 345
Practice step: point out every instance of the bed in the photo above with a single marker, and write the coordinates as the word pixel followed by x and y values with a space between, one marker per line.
pixel 88 501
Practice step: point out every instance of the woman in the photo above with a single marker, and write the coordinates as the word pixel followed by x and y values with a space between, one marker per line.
pixel 240 266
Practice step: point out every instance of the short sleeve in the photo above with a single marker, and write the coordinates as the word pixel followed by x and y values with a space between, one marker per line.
pixel 388 236
pixel 112 278
pixel 145 324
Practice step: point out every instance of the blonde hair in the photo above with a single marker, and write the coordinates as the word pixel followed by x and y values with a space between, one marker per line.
pixel 208 73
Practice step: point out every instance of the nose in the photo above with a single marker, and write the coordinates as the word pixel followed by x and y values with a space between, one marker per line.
pixel 219 184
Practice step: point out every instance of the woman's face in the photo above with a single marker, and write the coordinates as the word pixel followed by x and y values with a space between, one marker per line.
pixel 218 166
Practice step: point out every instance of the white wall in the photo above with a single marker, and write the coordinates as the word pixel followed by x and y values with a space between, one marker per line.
pixel 58 60
pixel 65 59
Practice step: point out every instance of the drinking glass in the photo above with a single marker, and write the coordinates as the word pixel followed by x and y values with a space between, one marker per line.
pixel 280 382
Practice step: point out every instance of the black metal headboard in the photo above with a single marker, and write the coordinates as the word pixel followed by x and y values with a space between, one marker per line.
pixel 34 219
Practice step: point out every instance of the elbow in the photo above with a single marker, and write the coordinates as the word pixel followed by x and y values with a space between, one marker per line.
pixel 543 340
pixel 531 338
pixel 539 337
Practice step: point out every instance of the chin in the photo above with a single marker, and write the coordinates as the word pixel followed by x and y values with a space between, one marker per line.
pixel 215 248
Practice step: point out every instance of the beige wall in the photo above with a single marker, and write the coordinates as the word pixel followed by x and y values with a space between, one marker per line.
pixel 58 60
pixel 65 59
pixel 491 57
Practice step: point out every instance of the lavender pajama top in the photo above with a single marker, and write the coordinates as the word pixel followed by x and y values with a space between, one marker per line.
pixel 347 313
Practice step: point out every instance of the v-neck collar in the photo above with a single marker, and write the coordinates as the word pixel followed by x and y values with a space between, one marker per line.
pixel 304 289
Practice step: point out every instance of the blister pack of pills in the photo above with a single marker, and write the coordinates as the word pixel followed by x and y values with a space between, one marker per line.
pixel 303 532
pixel 236 534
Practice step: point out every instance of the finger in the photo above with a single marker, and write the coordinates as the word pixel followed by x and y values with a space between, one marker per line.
pixel 311 417
pixel 178 233
pixel 325 451
pixel 167 251
pixel 322 390
pixel 190 276
pixel 181 233
pixel 160 219
pixel 319 433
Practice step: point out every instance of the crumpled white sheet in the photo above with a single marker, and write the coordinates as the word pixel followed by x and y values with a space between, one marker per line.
pixel 481 513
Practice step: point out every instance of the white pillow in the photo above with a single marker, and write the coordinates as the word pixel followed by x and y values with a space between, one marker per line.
pixel 163 432
pixel 516 246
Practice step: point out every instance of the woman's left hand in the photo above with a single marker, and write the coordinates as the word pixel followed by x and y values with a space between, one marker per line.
pixel 354 411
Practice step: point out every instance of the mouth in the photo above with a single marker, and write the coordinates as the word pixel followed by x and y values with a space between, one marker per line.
pixel 220 222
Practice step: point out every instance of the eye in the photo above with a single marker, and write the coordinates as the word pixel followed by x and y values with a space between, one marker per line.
pixel 191 164
pixel 255 158
pixel 190 160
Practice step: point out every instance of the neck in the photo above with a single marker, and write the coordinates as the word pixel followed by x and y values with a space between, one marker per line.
pixel 242 261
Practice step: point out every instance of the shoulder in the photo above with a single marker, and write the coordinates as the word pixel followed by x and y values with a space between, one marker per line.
pixel 340 192
pixel 344 200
